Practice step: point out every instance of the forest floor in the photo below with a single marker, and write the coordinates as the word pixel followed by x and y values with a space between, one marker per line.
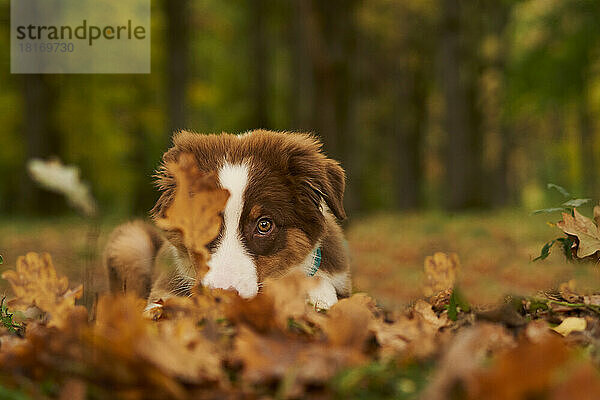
pixel 388 250
pixel 442 346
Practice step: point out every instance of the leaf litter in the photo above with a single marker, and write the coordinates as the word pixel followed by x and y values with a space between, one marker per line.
pixel 214 344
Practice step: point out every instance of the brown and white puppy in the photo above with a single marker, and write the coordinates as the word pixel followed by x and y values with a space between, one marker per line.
pixel 285 200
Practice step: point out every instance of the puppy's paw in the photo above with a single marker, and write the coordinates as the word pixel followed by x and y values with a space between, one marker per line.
pixel 323 297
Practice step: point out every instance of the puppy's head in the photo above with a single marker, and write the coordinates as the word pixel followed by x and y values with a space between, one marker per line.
pixel 281 186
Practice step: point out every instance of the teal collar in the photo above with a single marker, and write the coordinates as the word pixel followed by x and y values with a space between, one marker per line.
pixel 316 262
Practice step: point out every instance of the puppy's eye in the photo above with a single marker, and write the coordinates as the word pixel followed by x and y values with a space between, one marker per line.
pixel 264 225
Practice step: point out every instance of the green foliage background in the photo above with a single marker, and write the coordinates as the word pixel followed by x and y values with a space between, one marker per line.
pixel 529 69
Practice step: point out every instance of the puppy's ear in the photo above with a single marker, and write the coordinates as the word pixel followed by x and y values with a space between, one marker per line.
pixel 334 184
pixel 165 182
pixel 163 179
pixel 323 178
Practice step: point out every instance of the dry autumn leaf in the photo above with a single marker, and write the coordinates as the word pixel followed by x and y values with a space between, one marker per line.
pixel 416 333
pixel 196 208
pixel 441 271
pixel 464 356
pixel 349 321
pixel 271 358
pixel 571 324
pixel 279 300
pixel 585 230
pixel 505 379
pixel 36 283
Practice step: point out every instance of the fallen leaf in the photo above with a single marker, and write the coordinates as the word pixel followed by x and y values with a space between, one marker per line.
pixel 526 371
pixel 571 324
pixel 268 359
pixel 441 271
pixel 583 383
pixel 196 210
pixel 413 333
pixel 36 283
pixel 585 230
pixel 464 356
pixel 567 291
pixel 349 321
pixel 64 179
pixel 279 300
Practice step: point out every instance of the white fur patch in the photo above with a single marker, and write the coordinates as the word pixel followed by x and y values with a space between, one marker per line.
pixel 323 296
pixel 231 267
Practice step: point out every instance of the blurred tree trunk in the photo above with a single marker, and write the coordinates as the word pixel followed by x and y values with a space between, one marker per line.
pixel 463 169
pixel 330 32
pixel 301 69
pixel 42 140
pixel 177 49
pixel 409 133
pixel 259 52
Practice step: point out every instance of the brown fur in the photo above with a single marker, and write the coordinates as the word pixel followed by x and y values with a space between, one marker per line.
pixel 290 178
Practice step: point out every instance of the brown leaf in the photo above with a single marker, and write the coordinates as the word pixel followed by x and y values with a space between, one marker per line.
pixel 441 271
pixel 279 300
pixel 597 215
pixel 196 209
pixel 584 383
pixel 414 334
pixel 176 348
pixel 271 358
pixel 506 379
pixel 585 230
pixel 36 283
pixel 349 321
pixel 567 292
pixel 464 356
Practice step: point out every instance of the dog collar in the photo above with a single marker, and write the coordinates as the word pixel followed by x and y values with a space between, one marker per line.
pixel 316 262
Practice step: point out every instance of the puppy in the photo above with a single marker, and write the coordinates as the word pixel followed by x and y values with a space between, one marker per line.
pixel 286 198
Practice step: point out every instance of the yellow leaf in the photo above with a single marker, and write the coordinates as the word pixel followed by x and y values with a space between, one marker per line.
pixel 441 271
pixel 36 283
pixel 571 324
pixel 196 209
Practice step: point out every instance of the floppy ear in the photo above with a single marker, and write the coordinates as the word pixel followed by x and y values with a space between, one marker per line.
pixel 333 188
pixel 165 182
pixel 322 179
pixel 163 179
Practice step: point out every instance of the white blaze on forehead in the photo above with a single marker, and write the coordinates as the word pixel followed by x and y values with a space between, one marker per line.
pixel 231 267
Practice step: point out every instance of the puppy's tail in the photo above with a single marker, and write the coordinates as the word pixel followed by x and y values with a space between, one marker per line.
pixel 129 258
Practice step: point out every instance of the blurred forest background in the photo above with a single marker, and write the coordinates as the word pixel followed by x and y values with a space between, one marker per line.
pixel 442 104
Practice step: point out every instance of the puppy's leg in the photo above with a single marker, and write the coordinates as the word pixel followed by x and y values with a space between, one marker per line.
pixel 129 258
pixel 323 296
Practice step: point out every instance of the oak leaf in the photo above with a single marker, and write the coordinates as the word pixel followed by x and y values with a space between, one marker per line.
pixel 349 321
pixel 586 231
pixel 36 283
pixel 196 209
pixel 441 271
pixel 274 357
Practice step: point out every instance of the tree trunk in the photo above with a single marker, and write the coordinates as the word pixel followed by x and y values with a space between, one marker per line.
pixel 42 140
pixel 177 15
pixel 259 52
pixel 301 69
pixel 330 35
pixel 461 157
pixel 409 133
